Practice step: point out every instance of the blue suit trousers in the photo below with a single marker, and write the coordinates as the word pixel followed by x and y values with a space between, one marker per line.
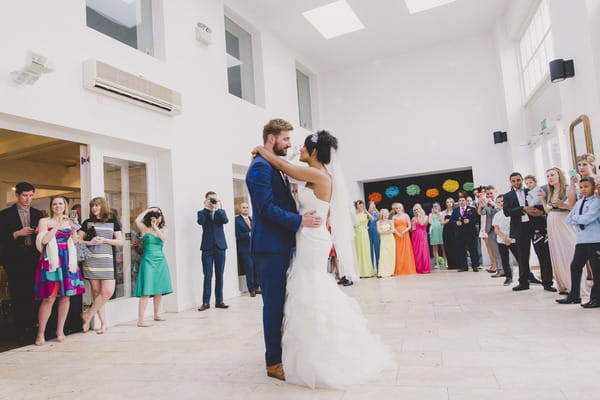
pixel 272 269
pixel 212 257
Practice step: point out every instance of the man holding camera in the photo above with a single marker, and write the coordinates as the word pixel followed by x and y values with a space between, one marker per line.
pixel 20 257
pixel 212 218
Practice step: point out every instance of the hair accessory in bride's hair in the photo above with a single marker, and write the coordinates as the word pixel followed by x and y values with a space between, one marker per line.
pixel 315 137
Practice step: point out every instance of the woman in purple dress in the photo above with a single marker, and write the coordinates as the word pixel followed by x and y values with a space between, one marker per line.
pixel 419 240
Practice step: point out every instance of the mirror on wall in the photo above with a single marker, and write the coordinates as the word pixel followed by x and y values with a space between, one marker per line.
pixel 580 134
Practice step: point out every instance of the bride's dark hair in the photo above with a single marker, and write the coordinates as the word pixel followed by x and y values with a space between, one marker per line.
pixel 323 141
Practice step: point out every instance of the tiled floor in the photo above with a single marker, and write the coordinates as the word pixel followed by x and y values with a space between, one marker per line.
pixel 455 336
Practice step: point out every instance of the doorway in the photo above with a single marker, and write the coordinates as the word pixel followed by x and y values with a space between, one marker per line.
pixel 53 167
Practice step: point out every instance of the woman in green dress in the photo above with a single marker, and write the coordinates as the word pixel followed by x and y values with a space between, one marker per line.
pixel 361 240
pixel 153 277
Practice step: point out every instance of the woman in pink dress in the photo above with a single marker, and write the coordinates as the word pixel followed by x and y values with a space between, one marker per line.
pixel 419 240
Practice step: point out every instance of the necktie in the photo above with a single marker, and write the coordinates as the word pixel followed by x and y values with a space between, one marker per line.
pixel 248 222
pixel 581 226
pixel 462 211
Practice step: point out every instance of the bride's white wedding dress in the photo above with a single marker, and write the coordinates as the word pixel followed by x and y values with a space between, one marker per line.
pixel 326 342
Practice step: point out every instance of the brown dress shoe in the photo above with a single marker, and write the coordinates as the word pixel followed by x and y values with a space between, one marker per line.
pixel 253 294
pixel 276 371
pixel 258 291
pixel 221 305
pixel 204 307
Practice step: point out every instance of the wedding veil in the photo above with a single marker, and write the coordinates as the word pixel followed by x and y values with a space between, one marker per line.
pixel 340 220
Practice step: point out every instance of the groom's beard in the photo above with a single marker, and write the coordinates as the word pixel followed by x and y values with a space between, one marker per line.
pixel 280 151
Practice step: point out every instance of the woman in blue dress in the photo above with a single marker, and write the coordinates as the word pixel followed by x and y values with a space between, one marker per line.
pixel 374 241
pixel 153 278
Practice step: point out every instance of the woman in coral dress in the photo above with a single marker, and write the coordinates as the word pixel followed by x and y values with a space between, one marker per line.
pixel 405 260
pixel 361 241
pixel 387 245
pixel 419 240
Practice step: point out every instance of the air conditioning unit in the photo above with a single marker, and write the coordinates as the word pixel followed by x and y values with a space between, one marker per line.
pixel 103 78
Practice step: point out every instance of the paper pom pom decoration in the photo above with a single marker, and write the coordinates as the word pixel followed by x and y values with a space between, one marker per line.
pixel 450 185
pixel 431 193
pixel 376 197
pixel 413 190
pixel 468 186
pixel 392 191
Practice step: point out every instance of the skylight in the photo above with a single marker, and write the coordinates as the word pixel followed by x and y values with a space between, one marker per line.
pixel 334 19
pixel 415 6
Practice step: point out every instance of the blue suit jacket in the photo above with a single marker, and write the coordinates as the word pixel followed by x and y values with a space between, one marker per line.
pixel 276 218
pixel 242 234
pixel 465 229
pixel 212 229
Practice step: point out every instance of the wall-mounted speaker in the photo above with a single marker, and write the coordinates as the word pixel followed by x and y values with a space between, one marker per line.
pixel 500 137
pixel 561 69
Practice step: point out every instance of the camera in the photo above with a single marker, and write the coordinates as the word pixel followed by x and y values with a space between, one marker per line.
pixel 212 201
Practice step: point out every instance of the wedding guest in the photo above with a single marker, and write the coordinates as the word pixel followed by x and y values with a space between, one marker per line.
pixel 533 194
pixel 243 226
pixel 361 240
pixel 436 234
pixel 387 254
pixel 20 257
pixel 561 235
pixel 212 218
pixel 585 216
pixel 405 260
pixel 57 274
pixel 153 279
pixel 524 221
pixel 101 232
pixel 419 240
pixel 373 235
pixel 501 224
pixel 470 202
pixel 449 235
pixel 465 219
pixel 487 209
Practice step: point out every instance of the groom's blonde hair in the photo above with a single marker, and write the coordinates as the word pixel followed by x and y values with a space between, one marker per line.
pixel 275 127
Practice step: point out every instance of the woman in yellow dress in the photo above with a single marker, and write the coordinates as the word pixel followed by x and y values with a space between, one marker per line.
pixel 361 240
pixel 387 245
pixel 405 259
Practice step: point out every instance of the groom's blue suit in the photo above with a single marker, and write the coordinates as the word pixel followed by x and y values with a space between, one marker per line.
pixel 275 223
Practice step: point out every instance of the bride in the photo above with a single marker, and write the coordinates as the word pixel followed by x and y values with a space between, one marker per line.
pixel 325 342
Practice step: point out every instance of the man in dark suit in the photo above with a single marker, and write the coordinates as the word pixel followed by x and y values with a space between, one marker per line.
pixel 273 236
pixel 524 221
pixel 465 219
pixel 212 218
pixel 20 256
pixel 243 225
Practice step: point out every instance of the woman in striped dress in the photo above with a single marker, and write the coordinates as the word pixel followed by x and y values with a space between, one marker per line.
pixel 100 232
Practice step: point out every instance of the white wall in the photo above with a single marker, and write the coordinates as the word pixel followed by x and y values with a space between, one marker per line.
pixel 575 36
pixel 194 150
pixel 429 110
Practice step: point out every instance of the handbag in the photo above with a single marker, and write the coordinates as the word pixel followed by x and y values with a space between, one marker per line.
pixel 90 234
pixel 83 253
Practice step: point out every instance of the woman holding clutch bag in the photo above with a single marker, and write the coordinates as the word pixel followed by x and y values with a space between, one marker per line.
pixel 100 232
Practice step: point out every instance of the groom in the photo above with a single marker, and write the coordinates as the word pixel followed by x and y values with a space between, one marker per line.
pixel 276 221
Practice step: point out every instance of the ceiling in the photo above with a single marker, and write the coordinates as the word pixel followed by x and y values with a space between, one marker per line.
pixel 40 149
pixel 389 28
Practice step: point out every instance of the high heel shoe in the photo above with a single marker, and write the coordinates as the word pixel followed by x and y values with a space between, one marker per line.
pixel 40 341
pixel 60 338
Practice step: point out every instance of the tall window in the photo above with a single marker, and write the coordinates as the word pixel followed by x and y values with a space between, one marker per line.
pixel 240 69
pixel 535 49
pixel 303 84
pixel 128 21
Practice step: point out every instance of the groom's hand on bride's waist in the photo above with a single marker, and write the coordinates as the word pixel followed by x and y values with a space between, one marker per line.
pixel 311 220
